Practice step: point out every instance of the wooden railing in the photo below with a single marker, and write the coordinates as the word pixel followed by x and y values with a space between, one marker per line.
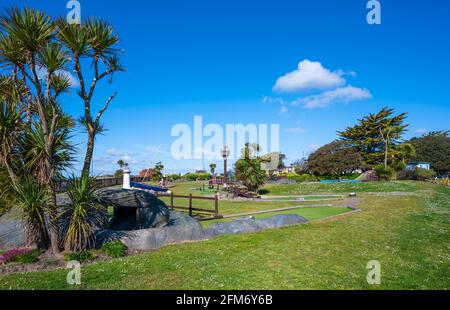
pixel 61 185
pixel 109 182
pixel 190 208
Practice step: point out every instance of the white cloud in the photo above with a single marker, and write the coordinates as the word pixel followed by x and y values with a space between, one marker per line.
pixel 154 149
pixel 421 131
pixel 284 109
pixel 113 152
pixel 295 130
pixel 309 76
pixel 343 94
pixel 74 83
pixel 272 100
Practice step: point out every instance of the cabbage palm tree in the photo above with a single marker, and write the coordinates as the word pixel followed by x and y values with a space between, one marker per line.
pixel 83 215
pixel 37 144
pixel 32 198
pixel 248 168
pixel 94 40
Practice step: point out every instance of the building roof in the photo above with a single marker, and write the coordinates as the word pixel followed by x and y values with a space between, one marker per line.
pixel 419 163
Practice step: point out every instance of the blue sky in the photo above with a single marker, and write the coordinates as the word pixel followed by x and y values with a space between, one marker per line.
pixel 222 60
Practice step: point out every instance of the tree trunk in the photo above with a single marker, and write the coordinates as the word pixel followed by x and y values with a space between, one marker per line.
pixel 53 220
pixel 89 154
pixel 386 155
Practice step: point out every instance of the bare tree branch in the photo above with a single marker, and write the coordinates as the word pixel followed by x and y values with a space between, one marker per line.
pixel 99 114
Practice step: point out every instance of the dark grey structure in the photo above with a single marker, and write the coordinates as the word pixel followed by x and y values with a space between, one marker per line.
pixel 143 222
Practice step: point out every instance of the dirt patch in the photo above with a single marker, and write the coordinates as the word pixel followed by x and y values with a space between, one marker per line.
pixel 47 262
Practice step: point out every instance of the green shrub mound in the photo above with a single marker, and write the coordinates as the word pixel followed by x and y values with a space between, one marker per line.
pixel 83 256
pixel 28 258
pixel 383 173
pixel 302 178
pixel 197 176
pixel 115 249
pixel 421 174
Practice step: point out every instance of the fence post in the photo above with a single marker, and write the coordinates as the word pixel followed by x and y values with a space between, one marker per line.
pixel 190 205
pixel 216 204
pixel 171 200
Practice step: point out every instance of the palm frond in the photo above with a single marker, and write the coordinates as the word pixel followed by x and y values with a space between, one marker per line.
pixel 53 58
pixel 31 29
pixel 32 199
pixel 74 37
pixel 101 38
pixel 83 215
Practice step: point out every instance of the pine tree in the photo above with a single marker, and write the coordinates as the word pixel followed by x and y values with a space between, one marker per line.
pixel 367 136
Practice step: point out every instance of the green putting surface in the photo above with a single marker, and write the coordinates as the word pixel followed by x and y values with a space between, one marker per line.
pixel 310 214
pixel 304 198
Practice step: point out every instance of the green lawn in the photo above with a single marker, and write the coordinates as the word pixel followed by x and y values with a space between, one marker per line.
pixel 310 214
pixel 227 207
pixel 404 225
pixel 304 198
pixel 332 188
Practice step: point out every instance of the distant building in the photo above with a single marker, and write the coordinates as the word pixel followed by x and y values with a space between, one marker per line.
pixel 290 169
pixel 413 166
pixel 146 173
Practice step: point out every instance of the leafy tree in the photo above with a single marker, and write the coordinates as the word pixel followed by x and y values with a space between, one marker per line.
pixel 335 158
pixel 300 166
pixel 273 162
pixel 119 172
pixel 433 148
pixel 34 131
pixel 406 151
pixel 121 163
pixel 248 168
pixel 157 171
pixel 212 168
pixel 388 134
pixel 370 135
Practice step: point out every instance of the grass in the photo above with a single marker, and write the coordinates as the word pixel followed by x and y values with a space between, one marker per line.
pixel 227 207
pixel 404 225
pixel 310 214
pixel 332 188
pixel 304 198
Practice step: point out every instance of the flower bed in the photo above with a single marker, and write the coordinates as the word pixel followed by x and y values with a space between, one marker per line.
pixel 13 255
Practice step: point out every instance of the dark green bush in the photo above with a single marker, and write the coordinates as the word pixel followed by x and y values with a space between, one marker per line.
pixel 302 178
pixel 115 249
pixel 197 176
pixel 421 174
pixel 347 176
pixel 383 173
pixel 83 256
pixel 28 258
pixel 173 177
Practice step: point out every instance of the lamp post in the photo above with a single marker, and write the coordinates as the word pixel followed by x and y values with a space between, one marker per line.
pixel 225 155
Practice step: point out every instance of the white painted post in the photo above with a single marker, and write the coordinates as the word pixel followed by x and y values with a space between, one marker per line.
pixel 126 177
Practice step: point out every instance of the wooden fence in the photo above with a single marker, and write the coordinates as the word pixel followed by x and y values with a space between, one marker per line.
pixel 190 208
pixel 113 181
pixel 61 185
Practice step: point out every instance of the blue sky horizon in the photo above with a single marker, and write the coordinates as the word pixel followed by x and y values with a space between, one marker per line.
pixel 314 67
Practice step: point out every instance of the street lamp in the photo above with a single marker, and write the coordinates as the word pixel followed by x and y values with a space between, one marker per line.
pixel 225 155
